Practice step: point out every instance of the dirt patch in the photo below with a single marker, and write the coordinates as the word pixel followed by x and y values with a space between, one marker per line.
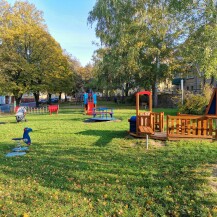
pixel 213 178
pixel 152 142
pixel 215 170
pixel 157 143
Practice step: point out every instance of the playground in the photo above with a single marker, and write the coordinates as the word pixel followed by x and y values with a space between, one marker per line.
pixel 181 126
pixel 84 169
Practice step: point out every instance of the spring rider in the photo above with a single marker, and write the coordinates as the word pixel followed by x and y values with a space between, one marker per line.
pixel 20 150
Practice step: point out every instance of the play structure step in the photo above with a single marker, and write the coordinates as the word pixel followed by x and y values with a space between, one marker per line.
pixel 146 130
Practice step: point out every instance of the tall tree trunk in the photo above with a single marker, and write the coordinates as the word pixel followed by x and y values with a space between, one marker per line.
pixel 49 98
pixel 36 95
pixel 17 97
pixel 204 81
pixel 212 81
pixel 127 89
pixel 154 95
pixel 154 86
pixel 122 95
pixel 65 97
pixel 107 94
pixel 60 94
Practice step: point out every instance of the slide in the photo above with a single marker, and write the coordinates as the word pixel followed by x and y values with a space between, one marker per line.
pixel 90 107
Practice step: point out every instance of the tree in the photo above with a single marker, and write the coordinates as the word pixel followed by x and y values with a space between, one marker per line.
pixel 112 22
pixel 31 60
pixel 142 35
pixel 66 81
pixel 20 24
pixel 112 72
pixel 199 50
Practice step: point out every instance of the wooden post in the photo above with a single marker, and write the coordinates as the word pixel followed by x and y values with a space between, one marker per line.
pixel 215 134
pixel 215 101
pixel 167 126
pixel 137 114
pixel 146 141
pixel 150 102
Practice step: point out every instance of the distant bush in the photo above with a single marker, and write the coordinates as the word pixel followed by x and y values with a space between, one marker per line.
pixel 131 99
pixel 194 103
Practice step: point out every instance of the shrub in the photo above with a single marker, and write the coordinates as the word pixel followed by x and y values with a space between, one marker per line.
pixel 195 103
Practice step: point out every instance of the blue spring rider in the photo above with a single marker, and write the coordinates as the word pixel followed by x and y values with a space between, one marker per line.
pixel 19 150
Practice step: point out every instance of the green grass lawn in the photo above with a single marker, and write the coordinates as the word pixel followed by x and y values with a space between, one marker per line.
pixel 76 168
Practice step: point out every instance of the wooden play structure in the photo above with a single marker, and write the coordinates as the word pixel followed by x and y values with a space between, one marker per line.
pixel 146 122
pixel 190 126
pixel 182 126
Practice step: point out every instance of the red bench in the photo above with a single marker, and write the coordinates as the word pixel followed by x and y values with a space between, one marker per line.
pixel 53 108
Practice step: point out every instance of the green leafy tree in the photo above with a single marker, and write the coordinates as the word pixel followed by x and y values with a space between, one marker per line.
pixel 31 60
pixel 141 37
pixel 200 49
pixel 195 104
pixel 19 26
pixel 49 65
pixel 75 66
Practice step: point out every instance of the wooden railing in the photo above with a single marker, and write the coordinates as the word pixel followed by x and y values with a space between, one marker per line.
pixel 145 119
pixel 155 120
pixel 190 126
pixel 158 121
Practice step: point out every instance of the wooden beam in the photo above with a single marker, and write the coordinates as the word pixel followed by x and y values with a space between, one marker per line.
pixel 150 102
pixel 137 113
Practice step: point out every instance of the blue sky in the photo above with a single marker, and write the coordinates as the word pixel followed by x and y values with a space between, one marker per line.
pixel 67 23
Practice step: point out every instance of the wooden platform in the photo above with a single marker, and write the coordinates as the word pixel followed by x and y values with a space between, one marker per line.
pixel 157 135
pixel 179 127
pixel 146 130
pixel 163 137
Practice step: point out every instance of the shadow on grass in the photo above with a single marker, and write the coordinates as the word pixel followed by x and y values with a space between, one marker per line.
pixel 105 136
pixel 170 179
pixel 56 119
